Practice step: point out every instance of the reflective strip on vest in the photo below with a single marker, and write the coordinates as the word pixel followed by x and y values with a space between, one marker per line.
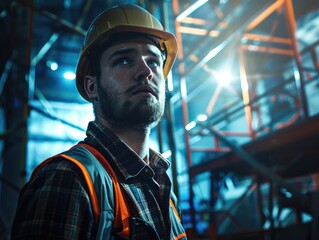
pixel 122 213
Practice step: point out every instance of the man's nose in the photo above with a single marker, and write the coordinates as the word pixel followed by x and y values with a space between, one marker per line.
pixel 143 71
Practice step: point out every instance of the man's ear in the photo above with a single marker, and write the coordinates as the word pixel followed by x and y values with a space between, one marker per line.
pixel 90 86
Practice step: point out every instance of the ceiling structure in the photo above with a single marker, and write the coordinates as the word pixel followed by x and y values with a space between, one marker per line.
pixel 53 32
pixel 251 38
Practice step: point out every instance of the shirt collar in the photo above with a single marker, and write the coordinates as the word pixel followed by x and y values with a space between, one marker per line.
pixel 124 160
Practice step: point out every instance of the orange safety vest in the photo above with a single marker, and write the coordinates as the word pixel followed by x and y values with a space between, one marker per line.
pixel 121 226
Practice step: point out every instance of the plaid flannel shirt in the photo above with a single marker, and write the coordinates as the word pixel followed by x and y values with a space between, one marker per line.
pixel 55 203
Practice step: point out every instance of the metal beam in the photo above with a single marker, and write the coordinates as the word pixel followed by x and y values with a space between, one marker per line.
pixel 53 17
pixel 261 169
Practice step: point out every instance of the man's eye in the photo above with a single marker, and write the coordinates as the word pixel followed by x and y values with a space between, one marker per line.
pixel 123 61
pixel 154 63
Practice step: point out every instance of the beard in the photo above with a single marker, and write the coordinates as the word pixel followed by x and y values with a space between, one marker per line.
pixel 139 113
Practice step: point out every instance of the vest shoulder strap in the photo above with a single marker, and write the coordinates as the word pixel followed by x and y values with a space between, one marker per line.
pixel 121 211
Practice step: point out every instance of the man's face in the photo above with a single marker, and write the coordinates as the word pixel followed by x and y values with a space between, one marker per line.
pixel 131 89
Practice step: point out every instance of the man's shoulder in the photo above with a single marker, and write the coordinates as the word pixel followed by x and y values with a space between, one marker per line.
pixel 57 167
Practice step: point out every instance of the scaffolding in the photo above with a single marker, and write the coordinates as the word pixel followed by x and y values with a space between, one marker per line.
pixel 270 100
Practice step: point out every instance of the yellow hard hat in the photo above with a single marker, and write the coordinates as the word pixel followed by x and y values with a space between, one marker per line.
pixel 123 19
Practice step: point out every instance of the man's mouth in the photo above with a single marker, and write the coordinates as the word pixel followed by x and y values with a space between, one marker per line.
pixel 145 89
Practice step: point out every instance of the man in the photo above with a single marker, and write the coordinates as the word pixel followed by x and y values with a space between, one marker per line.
pixel 111 185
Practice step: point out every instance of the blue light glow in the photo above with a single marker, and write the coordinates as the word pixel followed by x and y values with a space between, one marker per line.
pixel 69 75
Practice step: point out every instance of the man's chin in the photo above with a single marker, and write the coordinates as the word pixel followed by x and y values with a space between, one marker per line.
pixel 147 118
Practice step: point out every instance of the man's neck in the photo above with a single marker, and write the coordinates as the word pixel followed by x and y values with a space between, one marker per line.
pixel 137 139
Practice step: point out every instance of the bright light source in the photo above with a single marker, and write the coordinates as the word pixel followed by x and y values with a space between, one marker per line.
pixel 52 65
pixel 190 125
pixel 224 78
pixel 202 117
pixel 69 75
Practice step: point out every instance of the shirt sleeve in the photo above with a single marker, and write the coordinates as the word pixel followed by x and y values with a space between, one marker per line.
pixel 54 205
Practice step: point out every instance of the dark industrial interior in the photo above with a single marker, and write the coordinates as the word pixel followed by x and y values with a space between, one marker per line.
pixel 241 127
